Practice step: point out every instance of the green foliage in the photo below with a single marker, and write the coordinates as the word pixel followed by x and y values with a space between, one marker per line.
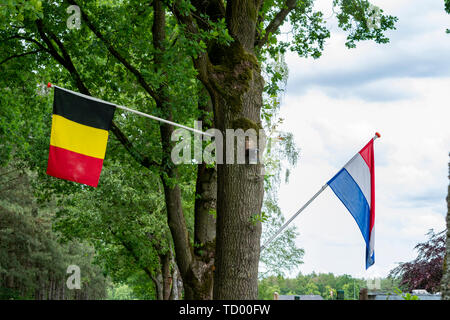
pixel 282 254
pixel 24 115
pixel 323 284
pixel 33 263
pixel 120 292
pixel 124 219
pixel 354 17
pixel 261 217
pixel 447 8
pixel 127 227
pixel 19 11
pixel 309 31
pixel 405 296
pixel 135 287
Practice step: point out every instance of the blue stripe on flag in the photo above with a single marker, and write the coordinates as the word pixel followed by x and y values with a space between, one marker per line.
pixel 369 260
pixel 348 191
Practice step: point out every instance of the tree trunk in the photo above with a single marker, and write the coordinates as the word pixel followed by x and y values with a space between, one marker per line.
pixel 50 295
pixel 9 281
pixel 201 275
pixel 445 284
pixel 237 87
pixel 157 281
pixel 196 271
pixel 177 284
pixel 169 176
pixel 239 201
pixel 167 277
pixel 232 76
pixel 195 268
pixel 205 197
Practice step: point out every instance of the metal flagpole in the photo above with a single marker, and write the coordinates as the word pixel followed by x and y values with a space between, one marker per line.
pixel 132 110
pixel 377 135
pixel 293 217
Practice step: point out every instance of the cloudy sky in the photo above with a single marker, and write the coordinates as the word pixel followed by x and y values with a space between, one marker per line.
pixel 335 104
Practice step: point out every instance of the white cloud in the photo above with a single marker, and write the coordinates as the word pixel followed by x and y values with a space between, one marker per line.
pixel 418 49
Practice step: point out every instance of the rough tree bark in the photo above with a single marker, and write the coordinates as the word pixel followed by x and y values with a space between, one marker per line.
pixel 163 279
pixel 177 283
pixel 233 79
pixel 240 194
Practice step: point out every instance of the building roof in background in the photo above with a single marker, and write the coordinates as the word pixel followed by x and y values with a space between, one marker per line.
pixel 393 296
pixel 299 297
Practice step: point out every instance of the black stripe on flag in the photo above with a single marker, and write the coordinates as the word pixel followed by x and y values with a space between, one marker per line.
pixel 83 110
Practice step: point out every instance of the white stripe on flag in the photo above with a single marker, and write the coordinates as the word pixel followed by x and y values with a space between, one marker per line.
pixel 360 172
pixel 372 241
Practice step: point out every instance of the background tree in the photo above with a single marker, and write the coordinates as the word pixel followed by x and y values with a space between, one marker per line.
pixel 282 154
pixel 33 263
pixel 323 284
pixel 127 228
pixel 424 272
pixel 445 285
pixel 447 8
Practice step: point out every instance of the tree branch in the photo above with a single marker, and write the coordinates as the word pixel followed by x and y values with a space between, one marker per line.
pixel 201 61
pixel 19 55
pixel 55 54
pixel 185 19
pixel 17 36
pixel 116 54
pixel 277 21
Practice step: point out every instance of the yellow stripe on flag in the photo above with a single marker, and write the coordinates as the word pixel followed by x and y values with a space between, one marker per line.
pixel 79 138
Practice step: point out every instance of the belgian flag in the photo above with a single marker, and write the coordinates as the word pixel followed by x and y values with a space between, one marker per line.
pixel 79 136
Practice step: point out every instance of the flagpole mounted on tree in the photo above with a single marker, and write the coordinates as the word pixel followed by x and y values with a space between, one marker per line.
pixel 50 85
pixel 79 135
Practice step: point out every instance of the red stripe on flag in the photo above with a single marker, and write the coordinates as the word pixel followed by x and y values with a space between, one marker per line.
pixel 74 166
pixel 368 156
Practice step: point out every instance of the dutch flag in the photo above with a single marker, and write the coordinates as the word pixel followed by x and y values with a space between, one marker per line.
pixel 354 185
